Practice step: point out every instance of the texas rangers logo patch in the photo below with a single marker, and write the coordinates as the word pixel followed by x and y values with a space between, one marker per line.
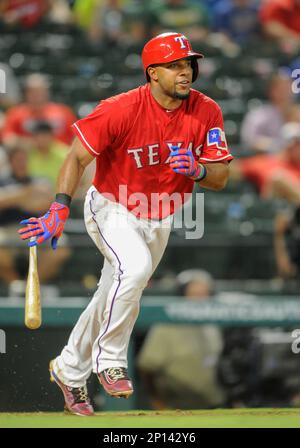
pixel 216 137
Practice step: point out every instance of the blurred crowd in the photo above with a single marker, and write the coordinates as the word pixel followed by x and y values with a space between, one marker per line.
pixel 230 22
pixel 33 124
pixel 35 135
pixel 190 366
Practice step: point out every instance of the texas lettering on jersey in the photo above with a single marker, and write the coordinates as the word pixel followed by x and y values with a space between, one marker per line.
pixel 131 137
pixel 150 154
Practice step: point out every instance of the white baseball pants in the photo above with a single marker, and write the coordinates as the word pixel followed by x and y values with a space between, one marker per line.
pixel 132 249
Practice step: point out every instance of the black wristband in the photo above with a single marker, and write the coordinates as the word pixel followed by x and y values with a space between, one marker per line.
pixel 63 198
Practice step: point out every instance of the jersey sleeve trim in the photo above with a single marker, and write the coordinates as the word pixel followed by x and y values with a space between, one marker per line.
pixel 84 141
pixel 228 157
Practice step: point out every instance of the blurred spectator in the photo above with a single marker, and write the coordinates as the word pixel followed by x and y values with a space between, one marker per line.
pixel 275 175
pixel 239 368
pixel 237 20
pixel 183 16
pixel 119 21
pixel 108 21
pixel 24 13
pixel 178 362
pixel 84 12
pixel 257 368
pixel 287 242
pixel 292 116
pixel 136 12
pixel 20 196
pixel 47 154
pixel 281 21
pixel 60 12
pixel 20 119
pixel 261 127
pixel 210 4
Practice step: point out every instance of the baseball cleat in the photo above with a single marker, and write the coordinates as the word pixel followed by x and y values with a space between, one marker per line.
pixel 77 401
pixel 116 382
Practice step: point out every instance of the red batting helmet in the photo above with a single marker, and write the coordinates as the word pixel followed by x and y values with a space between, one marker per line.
pixel 169 47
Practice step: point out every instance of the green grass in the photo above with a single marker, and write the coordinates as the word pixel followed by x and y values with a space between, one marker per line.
pixel 221 418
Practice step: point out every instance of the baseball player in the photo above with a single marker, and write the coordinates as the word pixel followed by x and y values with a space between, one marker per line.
pixel 161 137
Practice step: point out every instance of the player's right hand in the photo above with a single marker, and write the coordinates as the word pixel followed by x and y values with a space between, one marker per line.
pixel 51 225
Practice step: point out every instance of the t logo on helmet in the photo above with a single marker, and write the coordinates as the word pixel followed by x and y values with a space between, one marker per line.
pixel 182 40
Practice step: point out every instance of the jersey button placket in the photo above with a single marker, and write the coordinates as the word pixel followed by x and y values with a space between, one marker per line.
pixel 165 138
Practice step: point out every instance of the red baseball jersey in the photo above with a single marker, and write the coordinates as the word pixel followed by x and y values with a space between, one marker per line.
pixel 131 137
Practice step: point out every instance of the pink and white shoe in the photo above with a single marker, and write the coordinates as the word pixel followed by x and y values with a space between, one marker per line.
pixel 116 382
pixel 77 401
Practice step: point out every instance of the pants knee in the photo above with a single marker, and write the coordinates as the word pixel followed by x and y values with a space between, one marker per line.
pixel 139 274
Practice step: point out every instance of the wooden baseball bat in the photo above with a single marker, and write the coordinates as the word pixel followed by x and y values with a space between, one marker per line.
pixel 33 315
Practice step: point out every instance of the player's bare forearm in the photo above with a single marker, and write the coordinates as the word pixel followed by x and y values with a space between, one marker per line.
pixel 73 167
pixel 216 177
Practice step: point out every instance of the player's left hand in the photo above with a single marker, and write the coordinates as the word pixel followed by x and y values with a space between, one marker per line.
pixel 182 161
pixel 51 225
